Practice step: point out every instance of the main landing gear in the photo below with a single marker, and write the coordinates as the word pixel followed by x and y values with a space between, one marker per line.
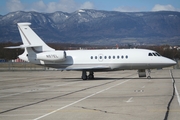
pixel 85 77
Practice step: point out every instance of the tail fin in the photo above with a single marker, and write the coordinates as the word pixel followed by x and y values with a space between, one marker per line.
pixel 31 39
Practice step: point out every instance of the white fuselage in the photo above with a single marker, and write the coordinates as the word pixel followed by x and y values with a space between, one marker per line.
pixel 100 60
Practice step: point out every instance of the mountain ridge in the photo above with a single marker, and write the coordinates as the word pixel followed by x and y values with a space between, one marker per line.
pixel 96 27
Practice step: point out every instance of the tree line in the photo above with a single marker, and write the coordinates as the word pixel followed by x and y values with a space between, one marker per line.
pixel 9 54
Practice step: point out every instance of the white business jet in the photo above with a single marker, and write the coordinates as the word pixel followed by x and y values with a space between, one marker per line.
pixel 37 52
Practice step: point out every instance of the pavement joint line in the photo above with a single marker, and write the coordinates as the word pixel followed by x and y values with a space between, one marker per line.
pixel 34 90
pixel 143 86
pixel 129 100
pixel 176 91
pixel 172 97
pixel 177 94
pixel 45 115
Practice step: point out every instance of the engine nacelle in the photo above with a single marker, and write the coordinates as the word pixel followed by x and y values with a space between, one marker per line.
pixel 52 56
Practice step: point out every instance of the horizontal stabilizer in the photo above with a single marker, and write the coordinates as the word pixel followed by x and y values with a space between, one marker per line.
pixel 23 46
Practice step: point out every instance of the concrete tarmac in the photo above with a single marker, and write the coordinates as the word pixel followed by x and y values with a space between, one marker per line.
pixel 117 95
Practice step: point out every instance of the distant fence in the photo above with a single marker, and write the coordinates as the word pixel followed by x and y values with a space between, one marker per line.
pixel 23 66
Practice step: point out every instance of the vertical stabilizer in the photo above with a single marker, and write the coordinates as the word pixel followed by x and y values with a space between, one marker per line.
pixel 30 38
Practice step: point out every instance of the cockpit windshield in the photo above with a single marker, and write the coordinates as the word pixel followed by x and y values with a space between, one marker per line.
pixel 150 54
pixel 154 54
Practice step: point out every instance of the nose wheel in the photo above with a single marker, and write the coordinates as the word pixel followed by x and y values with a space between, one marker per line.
pixel 149 74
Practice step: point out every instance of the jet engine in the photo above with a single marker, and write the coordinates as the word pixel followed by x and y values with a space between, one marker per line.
pixel 52 56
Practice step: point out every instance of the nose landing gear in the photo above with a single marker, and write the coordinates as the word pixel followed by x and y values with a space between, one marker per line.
pixel 142 73
pixel 149 74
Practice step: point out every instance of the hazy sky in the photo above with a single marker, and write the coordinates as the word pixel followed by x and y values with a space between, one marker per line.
pixel 49 6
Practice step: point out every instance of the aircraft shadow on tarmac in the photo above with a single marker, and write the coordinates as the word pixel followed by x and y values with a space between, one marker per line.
pixel 102 78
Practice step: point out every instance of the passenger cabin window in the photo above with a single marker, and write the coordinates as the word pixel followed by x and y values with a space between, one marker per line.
pixel 118 56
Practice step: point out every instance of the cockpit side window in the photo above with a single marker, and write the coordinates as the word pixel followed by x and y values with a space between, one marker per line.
pixel 158 54
pixel 150 54
pixel 154 54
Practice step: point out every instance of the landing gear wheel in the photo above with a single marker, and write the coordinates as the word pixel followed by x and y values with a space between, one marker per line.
pixel 149 74
pixel 84 75
pixel 148 77
pixel 91 75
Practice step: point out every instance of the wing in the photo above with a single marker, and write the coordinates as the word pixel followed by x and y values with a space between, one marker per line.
pixel 94 68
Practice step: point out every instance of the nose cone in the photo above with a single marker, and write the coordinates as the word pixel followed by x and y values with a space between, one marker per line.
pixel 170 62
pixel 174 62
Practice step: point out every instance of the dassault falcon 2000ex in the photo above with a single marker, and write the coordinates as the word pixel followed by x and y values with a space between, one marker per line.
pixel 38 52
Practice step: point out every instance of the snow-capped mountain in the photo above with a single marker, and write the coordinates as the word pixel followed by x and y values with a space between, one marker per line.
pixel 96 27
